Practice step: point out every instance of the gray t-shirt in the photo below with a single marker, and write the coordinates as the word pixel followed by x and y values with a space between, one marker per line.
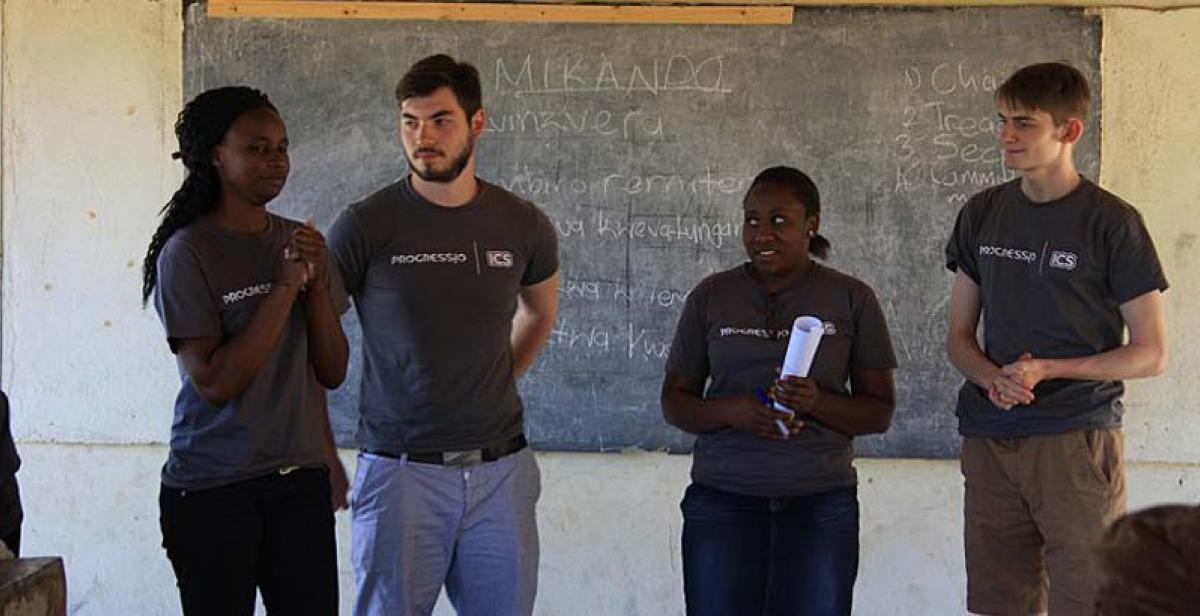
pixel 436 289
pixel 1051 277
pixel 210 283
pixel 735 333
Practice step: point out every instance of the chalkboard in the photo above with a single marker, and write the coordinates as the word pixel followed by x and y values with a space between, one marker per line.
pixel 639 142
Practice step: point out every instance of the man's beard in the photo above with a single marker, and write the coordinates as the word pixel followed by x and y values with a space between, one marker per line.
pixel 450 173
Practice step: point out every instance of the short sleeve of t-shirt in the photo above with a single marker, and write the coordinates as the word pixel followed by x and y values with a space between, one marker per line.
pixel 182 297
pixel 872 346
pixel 543 260
pixel 1133 267
pixel 960 249
pixel 351 250
pixel 689 349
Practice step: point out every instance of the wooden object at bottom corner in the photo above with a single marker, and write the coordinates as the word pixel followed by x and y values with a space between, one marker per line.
pixel 33 587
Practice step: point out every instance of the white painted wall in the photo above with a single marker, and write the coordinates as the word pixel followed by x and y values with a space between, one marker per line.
pixel 90 94
pixel 89 91
pixel 1150 147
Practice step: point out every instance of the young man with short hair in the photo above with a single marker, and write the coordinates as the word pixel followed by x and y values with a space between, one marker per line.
pixel 1059 268
pixel 455 281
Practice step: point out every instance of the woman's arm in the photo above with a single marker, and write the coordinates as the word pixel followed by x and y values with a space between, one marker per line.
pixel 867 409
pixel 339 483
pixel 221 369
pixel 327 347
pixel 685 408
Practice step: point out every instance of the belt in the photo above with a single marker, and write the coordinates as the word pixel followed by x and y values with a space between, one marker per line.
pixel 468 457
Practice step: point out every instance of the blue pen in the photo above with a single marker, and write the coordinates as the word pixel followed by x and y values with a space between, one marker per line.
pixel 763 398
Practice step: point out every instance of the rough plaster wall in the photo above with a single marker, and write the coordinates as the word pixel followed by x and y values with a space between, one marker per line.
pixel 609 527
pixel 90 90
pixel 1150 148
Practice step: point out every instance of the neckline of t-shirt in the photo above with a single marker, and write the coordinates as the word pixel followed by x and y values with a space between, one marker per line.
pixel 1084 184
pixel 814 268
pixel 470 206
pixel 212 227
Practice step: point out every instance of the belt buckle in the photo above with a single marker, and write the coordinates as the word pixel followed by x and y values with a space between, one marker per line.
pixel 471 457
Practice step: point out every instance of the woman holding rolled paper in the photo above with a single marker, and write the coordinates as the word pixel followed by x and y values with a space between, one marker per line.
pixel 771 517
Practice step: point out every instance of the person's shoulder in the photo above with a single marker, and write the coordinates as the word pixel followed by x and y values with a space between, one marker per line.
pixel 1108 204
pixel 994 196
pixel 985 206
pixel 838 279
pixel 499 197
pixel 724 281
pixel 527 217
pixel 380 202
pixel 188 241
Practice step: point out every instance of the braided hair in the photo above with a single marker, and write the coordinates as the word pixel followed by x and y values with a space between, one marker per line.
pixel 201 126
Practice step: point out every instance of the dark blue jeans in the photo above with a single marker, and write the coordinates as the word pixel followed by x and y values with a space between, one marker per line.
pixel 749 555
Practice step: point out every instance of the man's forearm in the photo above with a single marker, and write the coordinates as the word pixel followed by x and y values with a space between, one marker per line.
pixel 537 310
pixel 969 359
pixel 1130 361
pixel 529 335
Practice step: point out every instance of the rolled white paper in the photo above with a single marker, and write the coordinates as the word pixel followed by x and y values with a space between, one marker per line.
pixel 802 347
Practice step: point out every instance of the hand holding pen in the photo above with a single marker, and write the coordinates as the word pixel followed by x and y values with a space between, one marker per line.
pixel 785 421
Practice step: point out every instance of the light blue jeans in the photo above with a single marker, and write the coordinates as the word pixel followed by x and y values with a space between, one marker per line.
pixel 418 526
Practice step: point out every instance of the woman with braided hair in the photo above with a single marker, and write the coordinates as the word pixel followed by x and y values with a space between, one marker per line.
pixel 250 305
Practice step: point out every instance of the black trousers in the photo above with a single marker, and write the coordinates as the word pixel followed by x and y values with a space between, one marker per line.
pixel 271 533
pixel 13 541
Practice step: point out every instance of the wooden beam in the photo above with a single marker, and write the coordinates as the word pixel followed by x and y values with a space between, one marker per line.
pixel 541 13
pixel 357 9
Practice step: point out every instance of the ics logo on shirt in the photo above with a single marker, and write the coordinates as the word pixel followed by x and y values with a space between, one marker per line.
pixel 1063 260
pixel 499 258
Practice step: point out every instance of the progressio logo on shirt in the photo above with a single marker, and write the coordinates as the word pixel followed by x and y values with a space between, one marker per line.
pixel 453 258
pixel 754 332
pixel 231 297
pixel 1016 254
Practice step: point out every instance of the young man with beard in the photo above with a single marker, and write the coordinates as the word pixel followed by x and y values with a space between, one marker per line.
pixel 455 281
pixel 1059 268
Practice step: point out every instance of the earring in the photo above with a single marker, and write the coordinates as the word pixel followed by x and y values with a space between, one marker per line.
pixel 811 233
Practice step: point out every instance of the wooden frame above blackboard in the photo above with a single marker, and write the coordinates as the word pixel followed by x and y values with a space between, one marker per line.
pixel 503 12
pixel 747 12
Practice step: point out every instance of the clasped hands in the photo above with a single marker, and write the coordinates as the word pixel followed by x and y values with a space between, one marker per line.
pixel 1013 384
pixel 763 419
pixel 304 257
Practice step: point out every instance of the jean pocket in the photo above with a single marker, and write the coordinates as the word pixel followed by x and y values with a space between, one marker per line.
pixel 693 496
pixel 167 512
pixel 704 504
pixel 834 511
pixel 695 499
pixel 372 473
pixel 529 475
pixel 361 462
pixel 1102 454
